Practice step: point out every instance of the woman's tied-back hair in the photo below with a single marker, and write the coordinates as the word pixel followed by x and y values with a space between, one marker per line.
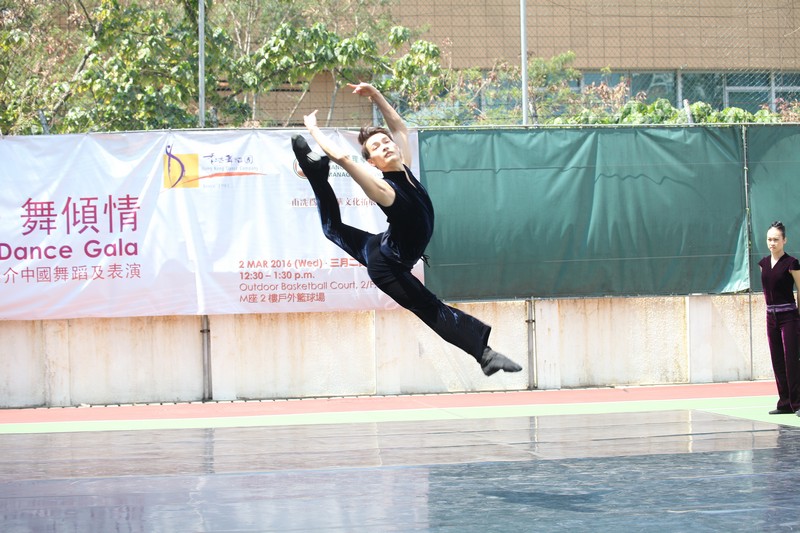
pixel 367 132
pixel 780 227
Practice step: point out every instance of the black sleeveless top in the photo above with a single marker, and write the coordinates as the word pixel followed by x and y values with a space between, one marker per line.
pixel 776 281
pixel 410 219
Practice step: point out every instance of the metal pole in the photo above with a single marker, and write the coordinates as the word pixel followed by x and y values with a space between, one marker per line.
pixel 205 330
pixel 208 391
pixel 749 222
pixel 523 31
pixel 201 38
pixel 533 378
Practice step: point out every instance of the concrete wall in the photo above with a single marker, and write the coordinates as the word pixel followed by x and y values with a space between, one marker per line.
pixel 639 341
pixel 100 361
pixel 569 343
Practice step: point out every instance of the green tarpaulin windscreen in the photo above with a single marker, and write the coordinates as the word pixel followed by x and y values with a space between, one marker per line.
pixel 773 155
pixel 585 212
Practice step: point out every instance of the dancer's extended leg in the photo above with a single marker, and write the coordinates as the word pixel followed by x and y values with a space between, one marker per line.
pixel 316 169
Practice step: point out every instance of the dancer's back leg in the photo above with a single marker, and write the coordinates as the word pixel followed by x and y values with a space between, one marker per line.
pixel 451 324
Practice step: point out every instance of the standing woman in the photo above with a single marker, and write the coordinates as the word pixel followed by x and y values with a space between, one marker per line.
pixel 779 273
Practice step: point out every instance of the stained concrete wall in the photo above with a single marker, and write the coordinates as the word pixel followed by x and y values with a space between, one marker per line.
pixel 637 341
pixel 100 361
pixel 561 343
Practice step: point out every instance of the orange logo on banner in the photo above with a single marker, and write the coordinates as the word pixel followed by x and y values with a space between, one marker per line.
pixel 181 170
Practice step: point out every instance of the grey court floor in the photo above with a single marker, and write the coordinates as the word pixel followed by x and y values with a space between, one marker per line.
pixel 668 470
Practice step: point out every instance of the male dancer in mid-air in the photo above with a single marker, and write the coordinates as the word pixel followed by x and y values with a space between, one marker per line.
pixel 390 256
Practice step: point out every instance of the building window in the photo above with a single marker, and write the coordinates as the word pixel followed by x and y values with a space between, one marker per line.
pixel 596 78
pixel 750 91
pixel 654 85
pixel 703 87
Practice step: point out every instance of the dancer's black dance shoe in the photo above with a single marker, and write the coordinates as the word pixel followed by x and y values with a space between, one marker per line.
pixel 492 362
pixel 312 164
pixel 781 412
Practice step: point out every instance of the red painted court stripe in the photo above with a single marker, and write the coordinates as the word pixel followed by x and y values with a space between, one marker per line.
pixel 385 403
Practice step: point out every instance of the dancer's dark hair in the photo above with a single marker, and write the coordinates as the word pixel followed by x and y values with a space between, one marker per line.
pixel 367 132
pixel 780 227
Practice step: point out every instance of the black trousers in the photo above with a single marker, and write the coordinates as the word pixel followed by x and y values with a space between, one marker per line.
pixel 394 278
pixel 782 334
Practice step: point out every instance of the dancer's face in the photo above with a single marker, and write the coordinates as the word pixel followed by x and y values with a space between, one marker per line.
pixel 775 241
pixel 384 152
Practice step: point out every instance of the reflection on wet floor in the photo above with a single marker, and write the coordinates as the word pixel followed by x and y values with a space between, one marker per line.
pixel 665 471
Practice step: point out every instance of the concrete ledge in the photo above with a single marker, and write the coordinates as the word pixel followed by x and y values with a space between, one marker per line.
pixel 568 344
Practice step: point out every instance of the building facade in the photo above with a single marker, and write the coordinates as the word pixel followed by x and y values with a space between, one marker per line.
pixel 726 53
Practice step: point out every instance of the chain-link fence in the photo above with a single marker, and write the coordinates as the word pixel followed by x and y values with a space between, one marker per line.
pixel 588 59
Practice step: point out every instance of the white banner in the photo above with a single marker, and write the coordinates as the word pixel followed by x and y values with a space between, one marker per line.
pixel 174 223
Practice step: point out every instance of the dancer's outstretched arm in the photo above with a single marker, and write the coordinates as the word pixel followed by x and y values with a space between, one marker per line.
pixel 375 188
pixel 393 119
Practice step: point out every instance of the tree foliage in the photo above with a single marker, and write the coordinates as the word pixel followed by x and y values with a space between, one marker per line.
pixel 110 65
pixel 475 97
pixel 148 81
pixel 127 65
pixel 37 56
